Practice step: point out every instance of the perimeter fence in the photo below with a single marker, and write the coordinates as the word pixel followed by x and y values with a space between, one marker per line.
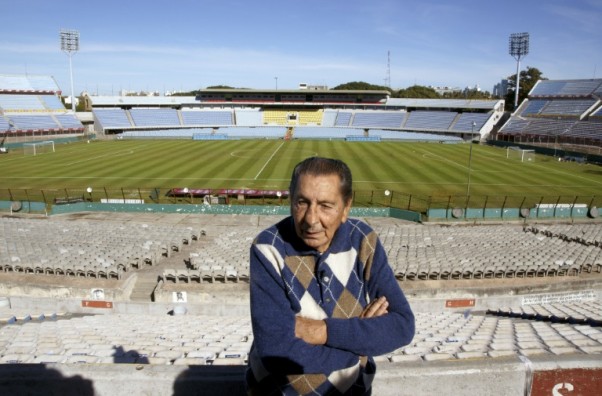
pixel 433 206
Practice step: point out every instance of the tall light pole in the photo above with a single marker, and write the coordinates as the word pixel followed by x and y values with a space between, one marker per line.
pixel 70 45
pixel 276 78
pixel 518 48
pixel 470 160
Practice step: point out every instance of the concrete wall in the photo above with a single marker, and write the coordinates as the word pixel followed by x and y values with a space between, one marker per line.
pixel 500 376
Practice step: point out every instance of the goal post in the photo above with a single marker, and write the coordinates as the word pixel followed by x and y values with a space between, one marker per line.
pixel 522 155
pixel 36 148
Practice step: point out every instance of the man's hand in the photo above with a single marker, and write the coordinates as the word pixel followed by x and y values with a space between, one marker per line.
pixel 376 308
pixel 310 330
pixel 315 332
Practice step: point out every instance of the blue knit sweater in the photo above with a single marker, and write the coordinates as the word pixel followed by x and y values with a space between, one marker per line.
pixel 290 279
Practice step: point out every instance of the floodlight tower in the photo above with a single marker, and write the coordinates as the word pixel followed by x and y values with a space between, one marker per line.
pixel 518 48
pixel 70 45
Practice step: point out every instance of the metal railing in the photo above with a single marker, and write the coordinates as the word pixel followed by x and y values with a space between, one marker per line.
pixel 361 198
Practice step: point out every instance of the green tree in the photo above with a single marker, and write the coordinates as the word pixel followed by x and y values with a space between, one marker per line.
pixel 528 79
pixel 418 91
pixel 361 86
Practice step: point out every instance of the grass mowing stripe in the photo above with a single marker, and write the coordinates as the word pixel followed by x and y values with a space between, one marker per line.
pixel 417 168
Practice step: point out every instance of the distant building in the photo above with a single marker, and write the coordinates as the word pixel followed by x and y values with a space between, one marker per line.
pixel 310 87
pixel 446 90
pixel 501 89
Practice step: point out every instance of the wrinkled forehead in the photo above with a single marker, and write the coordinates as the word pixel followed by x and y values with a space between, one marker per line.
pixel 318 184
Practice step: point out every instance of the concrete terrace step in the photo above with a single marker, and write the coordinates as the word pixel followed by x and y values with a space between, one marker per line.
pixel 147 278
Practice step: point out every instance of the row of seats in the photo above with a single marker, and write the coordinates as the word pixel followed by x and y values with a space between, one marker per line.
pixel 566 88
pixel 156 117
pixel 301 132
pixel 586 234
pixel 415 120
pixel 563 110
pixel 552 128
pixel 203 340
pixel 418 252
pixel 448 336
pixel 504 251
pixel 12 103
pixel 204 273
pixel 100 249
pixel 36 121
pixel 584 312
pixel 557 107
pixel 120 338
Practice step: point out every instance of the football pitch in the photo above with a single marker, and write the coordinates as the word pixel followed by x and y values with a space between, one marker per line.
pixel 427 171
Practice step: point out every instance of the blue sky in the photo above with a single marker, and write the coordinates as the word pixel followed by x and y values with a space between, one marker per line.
pixel 184 45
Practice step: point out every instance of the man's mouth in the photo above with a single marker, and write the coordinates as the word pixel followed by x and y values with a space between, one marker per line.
pixel 312 232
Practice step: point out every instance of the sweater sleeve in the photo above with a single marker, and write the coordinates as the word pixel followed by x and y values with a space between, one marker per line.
pixel 379 335
pixel 273 321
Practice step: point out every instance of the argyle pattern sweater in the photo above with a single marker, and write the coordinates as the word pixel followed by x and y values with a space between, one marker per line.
pixel 288 279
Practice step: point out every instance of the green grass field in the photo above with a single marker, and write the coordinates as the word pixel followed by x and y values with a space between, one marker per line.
pixel 422 172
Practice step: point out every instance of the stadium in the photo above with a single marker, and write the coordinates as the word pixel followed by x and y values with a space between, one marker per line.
pixel 125 233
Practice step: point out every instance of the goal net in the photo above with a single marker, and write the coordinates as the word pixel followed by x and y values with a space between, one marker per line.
pixel 37 148
pixel 516 153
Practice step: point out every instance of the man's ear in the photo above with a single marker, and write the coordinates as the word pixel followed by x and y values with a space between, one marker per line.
pixel 346 211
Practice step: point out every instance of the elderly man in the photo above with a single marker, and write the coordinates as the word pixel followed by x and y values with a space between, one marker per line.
pixel 324 299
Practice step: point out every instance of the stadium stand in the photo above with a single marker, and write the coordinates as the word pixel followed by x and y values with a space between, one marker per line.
pixel 4 125
pixel 112 118
pixel 429 120
pixel 465 121
pixel 530 324
pixel 27 83
pixel 249 117
pixel 68 121
pixel 144 117
pixel 564 111
pixel 31 104
pixel 379 119
pixel 103 251
pixel 21 103
pixel 34 122
pixel 197 118
pixel 238 108
pixel 329 118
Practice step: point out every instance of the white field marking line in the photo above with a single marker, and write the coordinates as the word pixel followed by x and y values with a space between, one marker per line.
pixel 268 161
pixel 117 154
pixel 442 159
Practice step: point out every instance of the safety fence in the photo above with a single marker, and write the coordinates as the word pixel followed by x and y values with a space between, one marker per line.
pixel 431 207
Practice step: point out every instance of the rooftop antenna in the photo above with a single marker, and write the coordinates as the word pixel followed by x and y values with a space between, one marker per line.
pixel 70 45
pixel 518 48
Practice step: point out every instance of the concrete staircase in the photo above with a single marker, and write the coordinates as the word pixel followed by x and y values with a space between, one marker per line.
pixel 148 277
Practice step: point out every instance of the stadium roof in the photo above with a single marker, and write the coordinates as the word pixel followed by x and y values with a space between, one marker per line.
pixel 445 103
pixel 142 100
pixel 27 83
pixel 567 88
pixel 299 91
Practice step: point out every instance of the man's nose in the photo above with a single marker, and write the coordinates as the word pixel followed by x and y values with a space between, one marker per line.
pixel 311 215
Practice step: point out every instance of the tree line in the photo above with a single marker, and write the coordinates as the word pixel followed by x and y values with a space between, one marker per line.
pixel 528 78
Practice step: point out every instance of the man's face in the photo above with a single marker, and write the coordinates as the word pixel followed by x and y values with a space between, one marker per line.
pixel 318 209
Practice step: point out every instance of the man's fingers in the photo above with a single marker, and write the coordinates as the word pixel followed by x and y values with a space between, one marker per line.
pixel 376 308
